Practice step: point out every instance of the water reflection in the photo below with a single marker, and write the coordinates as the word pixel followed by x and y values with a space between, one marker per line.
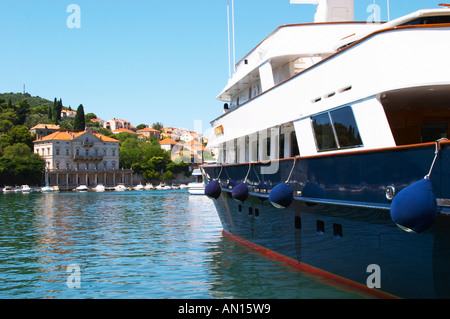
pixel 153 244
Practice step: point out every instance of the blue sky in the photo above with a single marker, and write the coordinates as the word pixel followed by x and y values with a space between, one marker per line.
pixel 142 61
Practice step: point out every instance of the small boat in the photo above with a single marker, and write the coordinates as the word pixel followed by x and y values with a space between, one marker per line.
pixel 163 187
pixel 138 187
pixel 183 186
pixel 148 186
pixel 99 188
pixel 197 187
pixel 120 188
pixel 56 188
pixel 25 189
pixel 7 189
pixel 82 188
pixel 47 189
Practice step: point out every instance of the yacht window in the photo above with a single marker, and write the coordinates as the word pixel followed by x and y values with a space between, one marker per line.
pixel 336 129
pixel 429 20
pixel 345 126
pixel 324 132
pixel 281 149
pixel 294 145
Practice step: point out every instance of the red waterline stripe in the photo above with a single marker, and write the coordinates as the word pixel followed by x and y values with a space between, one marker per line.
pixel 308 268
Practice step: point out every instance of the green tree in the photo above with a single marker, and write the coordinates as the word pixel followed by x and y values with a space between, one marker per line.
pixel 5 126
pixel 141 126
pixel 19 134
pixel 22 111
pixel 158 126
pixel 79 123
pixel 19 165
pixel 50 112
pixel 88 117
pixel 57 109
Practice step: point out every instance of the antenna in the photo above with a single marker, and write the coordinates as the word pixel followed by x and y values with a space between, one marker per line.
pixel 234 47
pixel 228 27
pixel 388 11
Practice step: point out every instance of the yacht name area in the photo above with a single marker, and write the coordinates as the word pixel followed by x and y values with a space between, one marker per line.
pixel 241 308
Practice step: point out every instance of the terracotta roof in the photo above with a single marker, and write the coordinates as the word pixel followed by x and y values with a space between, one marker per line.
pixel 123 130
pixel 168 141
pixel 105 138
pixel 46 126
pixel 68 136
pixel 148 129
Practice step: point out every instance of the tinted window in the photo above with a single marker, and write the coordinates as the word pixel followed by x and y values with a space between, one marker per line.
pixel 324 132
pixel 336 129
pixel 345 127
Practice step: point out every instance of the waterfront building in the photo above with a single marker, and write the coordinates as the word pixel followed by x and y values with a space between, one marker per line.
pixel 74 158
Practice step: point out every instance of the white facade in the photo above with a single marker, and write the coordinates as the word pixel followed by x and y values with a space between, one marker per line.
pixel 78 151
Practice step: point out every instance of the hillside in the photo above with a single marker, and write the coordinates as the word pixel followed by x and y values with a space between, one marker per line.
pixel 33 101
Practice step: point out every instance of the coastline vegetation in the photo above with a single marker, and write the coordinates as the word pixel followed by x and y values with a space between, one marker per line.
pixel 20 165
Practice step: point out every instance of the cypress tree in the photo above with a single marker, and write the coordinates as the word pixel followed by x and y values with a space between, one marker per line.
pixel 79 121
pixel 52 112
pixel 59 107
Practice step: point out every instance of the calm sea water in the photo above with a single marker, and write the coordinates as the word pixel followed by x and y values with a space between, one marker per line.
pixel 129 245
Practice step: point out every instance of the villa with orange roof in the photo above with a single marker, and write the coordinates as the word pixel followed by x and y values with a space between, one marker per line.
pixel 75 158
pixel 68 113
pixel 115 124
pixel 149 131
pixel 42 130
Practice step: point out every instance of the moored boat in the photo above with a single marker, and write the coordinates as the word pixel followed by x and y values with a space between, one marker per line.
pixel 82 188
pixel 337 169
pixel 7 189
pixel 47 189
pixel 198 186
pixel 99 188
pixel 139 187
pixel 149 186
pixel 25 189
pixel 120 188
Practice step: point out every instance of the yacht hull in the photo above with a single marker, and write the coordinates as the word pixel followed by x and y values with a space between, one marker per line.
pixel 347 233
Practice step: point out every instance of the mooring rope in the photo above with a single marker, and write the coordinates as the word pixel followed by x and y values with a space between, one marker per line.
pixel 436 153
pixel 248 172
pixel 292 169
pixel 220 173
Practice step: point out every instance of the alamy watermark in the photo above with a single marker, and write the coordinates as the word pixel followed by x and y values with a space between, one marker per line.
pixel 374 279
pixel 74 278
pixel 74 19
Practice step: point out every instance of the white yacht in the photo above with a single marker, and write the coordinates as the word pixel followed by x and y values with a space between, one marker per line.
pixel 333 150
pixel 197 187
